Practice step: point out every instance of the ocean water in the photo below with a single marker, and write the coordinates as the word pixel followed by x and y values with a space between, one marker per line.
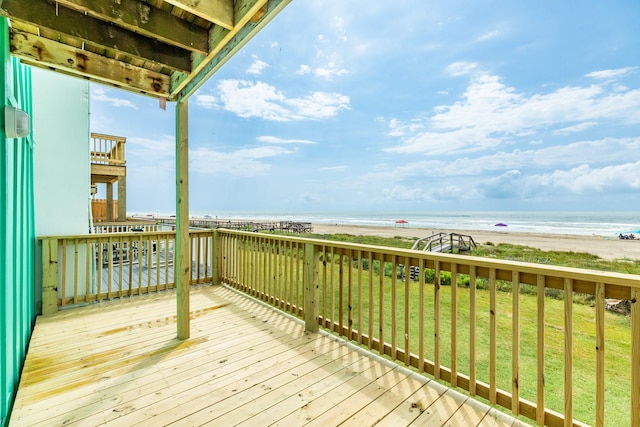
pixel 579 223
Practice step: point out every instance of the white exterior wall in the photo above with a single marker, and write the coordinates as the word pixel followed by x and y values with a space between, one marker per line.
pixel 62 173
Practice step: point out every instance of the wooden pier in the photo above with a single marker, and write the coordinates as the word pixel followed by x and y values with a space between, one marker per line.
pixel 280 226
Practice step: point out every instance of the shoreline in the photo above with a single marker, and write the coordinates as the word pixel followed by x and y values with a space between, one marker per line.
pixel 604 247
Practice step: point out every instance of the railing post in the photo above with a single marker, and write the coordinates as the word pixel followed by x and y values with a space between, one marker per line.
pixel 215 258
pixel 49 276
pixel 122 198
pixel 311 291
pixel 635 357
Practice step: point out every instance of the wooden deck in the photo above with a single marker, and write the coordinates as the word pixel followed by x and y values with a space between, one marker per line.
pixel 119 363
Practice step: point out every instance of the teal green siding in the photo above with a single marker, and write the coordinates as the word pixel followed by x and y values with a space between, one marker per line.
pixel 17 235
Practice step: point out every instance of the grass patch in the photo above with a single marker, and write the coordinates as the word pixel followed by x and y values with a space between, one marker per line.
pixel 507 252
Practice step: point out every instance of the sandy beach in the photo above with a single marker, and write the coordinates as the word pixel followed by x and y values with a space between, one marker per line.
pixel 604 247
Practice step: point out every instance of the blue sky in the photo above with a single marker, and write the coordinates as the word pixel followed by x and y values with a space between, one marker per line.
pixel 353 105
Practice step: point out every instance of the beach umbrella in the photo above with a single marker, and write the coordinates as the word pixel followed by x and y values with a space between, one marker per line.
pixel 402 221
pixel 501 224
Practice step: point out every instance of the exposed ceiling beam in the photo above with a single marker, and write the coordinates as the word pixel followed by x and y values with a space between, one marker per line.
pixel 77 25
pixel 145 19
pixel 220 12
pixel 162 48
pixel 40 51
pixel 232 41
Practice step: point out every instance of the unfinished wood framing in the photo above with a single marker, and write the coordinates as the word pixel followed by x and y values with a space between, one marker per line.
pixel 162 48
pixel 182 259
pixel 122 198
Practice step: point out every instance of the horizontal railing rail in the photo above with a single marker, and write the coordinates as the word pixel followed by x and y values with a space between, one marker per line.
pixel 104 266
pixel 506 331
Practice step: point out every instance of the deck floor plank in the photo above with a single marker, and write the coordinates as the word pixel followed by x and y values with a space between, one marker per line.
pixel 387 403
pixel 413 405
pixel 118 382
pixel 202 402
pixel 119 364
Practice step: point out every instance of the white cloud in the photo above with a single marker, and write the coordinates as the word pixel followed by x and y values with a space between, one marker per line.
pixel 461 68
pixel 257 99
pixel 584 179
pixel 611 73
pixel 575 128
pixel 304 69
pixel 490 114
pixel 328 73
pixel 504 186
pixel 401 193
pixel 206 101
pixel 100 95
pixel 275 140
pixel 333 168
pixel 597 153
pixel 398 128
pixel 565 169
pixel 245 162
pixel 257 67
pixel 151 150
pixel 324 72
pixel 489 35
pixel 318 105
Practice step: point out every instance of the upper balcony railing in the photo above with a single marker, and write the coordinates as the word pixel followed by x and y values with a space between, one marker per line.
pixel 107 149
pixel 486 326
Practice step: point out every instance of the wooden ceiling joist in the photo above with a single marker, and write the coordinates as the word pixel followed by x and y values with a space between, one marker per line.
pixel 99 33
pixel 162 48
pixel 220 12
pixel 147 20
pixel 47 53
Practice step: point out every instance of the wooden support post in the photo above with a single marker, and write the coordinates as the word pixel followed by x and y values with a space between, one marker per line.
pixel 122 198
pixel 635 357
pixel 49 276
pixel 181 262
pixel 311 292
pixel 109 202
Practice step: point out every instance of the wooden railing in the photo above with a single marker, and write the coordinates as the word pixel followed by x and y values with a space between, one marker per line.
pixel 107 149
pixel 119 227
pixel 508 332
pixel 518 359
pixel 96 267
